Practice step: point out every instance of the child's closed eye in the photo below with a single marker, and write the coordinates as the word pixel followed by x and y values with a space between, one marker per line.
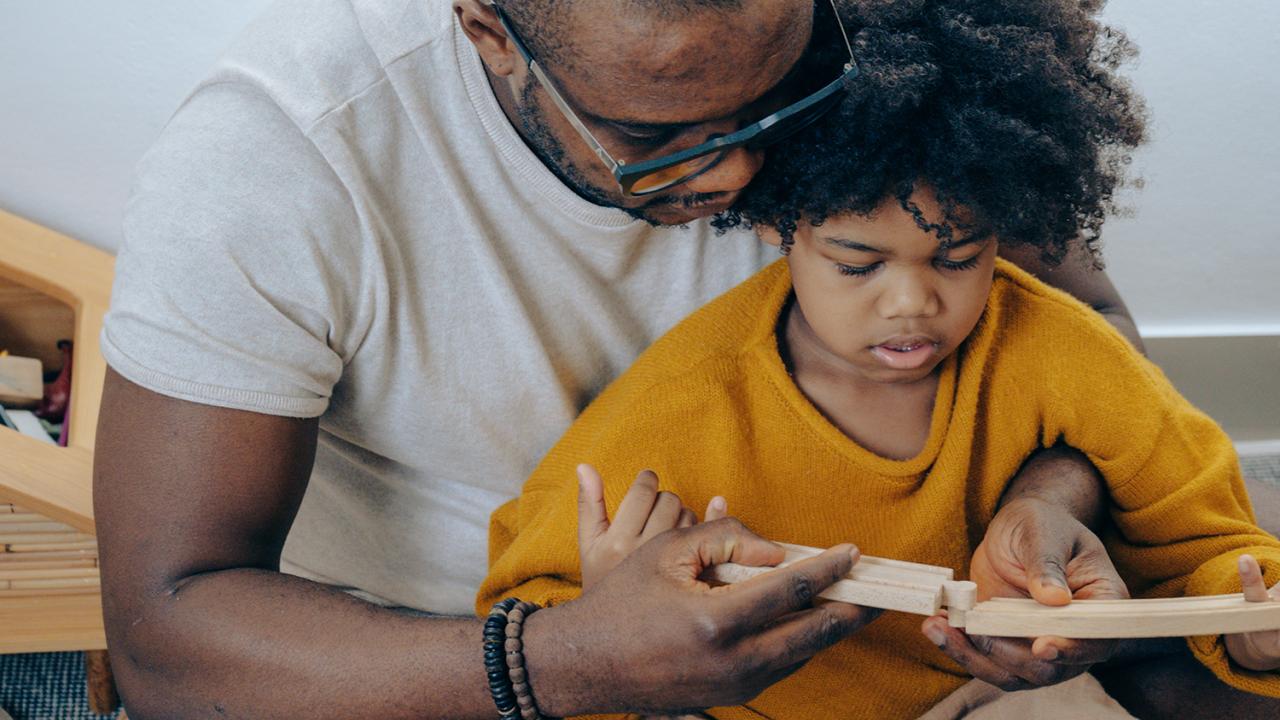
pixel 966 264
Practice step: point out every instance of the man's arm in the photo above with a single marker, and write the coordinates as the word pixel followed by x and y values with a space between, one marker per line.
pixel 1076 275
pixel 193 504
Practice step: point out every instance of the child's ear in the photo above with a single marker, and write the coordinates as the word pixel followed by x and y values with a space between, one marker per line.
pixel 769 235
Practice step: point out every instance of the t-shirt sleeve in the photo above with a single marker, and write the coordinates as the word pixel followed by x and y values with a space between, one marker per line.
pixel 1181 512
pixel 237 277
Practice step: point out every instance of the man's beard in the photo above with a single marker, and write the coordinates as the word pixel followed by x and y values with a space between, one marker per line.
pixel 549 149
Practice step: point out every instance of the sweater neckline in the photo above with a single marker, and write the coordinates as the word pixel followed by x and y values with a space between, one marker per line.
pixel 770 359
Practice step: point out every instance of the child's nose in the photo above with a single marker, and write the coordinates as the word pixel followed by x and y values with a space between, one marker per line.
pixel 908 296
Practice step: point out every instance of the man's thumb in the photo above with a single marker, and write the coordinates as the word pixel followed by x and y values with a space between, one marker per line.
pixel 1047 577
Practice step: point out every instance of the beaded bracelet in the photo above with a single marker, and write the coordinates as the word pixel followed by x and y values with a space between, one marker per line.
pixel 495 664
pixel 504 660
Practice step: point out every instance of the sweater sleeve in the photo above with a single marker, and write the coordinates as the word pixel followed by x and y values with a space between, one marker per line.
pixel 1181 512
pixel 635 424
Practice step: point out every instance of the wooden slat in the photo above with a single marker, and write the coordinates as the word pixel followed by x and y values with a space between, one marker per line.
pixel 52 622
pixel 52 481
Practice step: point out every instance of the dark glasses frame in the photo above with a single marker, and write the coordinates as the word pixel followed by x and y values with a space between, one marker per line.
pixel 767 130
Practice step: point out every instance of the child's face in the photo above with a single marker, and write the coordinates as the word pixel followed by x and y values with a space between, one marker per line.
pixel 880 299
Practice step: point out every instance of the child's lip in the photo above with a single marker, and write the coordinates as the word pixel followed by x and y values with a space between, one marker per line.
pixel 906 353
pixel 899 342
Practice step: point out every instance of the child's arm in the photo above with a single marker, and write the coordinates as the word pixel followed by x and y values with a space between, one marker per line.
pixel 1181 514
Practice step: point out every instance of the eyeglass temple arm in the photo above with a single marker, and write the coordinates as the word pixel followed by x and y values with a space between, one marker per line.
pixel 536 68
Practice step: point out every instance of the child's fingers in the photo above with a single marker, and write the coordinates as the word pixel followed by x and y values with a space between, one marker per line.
pixel 634 511
pixel 1255 588
pixel 593 517
pixel 716 509
pixel 687 519
pixel 664 515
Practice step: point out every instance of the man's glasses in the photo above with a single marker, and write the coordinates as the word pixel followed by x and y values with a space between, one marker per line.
pixel 652 176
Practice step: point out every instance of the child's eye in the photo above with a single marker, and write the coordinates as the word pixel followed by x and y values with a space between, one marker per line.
pixel 857 270
pixel 967 264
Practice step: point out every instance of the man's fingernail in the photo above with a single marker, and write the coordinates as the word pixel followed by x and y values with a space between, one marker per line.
pixel 1051 653
pixel 935 635
pixel 718 503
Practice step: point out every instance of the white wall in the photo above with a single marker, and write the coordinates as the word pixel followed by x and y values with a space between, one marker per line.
pixel 1202 255
pixel 86 87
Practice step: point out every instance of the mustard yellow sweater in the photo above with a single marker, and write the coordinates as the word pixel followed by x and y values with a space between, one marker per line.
pixel 711 409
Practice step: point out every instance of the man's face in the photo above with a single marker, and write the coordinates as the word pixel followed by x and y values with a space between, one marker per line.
pixel 648 86
pixel 879 297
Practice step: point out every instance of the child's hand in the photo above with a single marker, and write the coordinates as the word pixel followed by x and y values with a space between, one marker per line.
pixel 643 514
pixel 1256 650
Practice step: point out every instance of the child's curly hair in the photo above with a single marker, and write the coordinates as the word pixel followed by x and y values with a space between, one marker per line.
pixel 1010 110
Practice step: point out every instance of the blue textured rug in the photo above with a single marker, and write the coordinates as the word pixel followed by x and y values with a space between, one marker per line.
pixel 45 686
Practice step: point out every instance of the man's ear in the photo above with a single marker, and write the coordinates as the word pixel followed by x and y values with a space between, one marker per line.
pixel 481 25
pixel 769 235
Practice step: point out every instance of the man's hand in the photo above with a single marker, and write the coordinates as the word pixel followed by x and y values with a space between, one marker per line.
pixel 644 514
pixel 1033 549
pixel 679 643
pixel 1256 650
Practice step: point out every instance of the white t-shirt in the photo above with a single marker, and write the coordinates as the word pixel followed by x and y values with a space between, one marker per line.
pixel 340 221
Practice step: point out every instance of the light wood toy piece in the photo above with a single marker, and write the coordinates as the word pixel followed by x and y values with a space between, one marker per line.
pixel 927 589
pixel 21 381
pixel 53 287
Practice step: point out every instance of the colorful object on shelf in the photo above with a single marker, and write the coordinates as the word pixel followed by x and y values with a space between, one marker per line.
pixel 57 394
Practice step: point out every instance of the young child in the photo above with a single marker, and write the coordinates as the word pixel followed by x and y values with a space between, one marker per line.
pixel 884 382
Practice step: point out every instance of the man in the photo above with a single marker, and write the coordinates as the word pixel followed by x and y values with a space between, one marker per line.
pixel 373 262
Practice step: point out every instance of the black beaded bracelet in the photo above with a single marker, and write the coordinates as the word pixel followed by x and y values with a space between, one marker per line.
pixel 495 660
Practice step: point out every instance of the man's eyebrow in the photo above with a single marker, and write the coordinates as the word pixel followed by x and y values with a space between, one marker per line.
pixel 638 126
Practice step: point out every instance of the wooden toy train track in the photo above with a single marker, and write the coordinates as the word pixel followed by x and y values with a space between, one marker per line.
pixel 928 589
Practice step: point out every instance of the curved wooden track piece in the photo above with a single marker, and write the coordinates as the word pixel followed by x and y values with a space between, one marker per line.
pixel 1083 619
pixel 927 589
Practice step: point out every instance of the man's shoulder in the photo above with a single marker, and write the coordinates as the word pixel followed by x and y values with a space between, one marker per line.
pixel 312 57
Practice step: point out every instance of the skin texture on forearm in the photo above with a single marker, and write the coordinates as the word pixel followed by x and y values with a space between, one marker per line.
pixel 192 506
pixel 1062 477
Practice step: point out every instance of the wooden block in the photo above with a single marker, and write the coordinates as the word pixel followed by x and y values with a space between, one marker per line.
pixel 21 381
pixel 873 582
pixel 1093 619
pixel 959 596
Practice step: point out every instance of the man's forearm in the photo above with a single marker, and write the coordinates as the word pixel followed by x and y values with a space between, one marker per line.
pixel 1064 477
pixel 254 643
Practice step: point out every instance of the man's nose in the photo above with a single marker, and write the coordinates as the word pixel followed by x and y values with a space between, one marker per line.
pixel 734 171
